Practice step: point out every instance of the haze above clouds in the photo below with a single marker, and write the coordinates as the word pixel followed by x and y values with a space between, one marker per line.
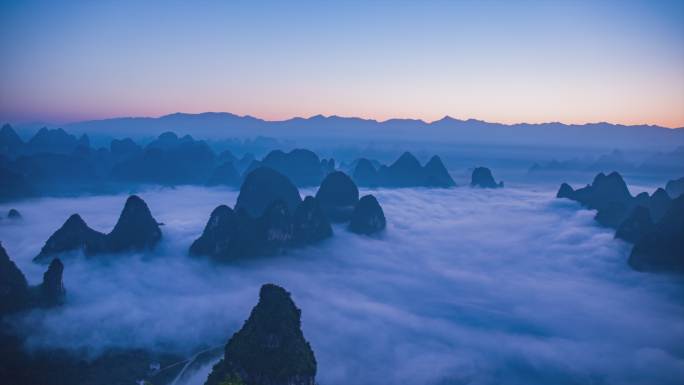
pixel 466 286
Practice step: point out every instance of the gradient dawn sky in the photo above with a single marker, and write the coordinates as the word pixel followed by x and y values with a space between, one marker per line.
pixel 503 61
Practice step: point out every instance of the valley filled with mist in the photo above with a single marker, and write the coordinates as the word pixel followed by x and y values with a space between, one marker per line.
pixel 464 286
pixel 342 192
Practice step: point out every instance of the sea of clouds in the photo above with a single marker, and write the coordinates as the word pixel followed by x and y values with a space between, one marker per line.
pixel 466 286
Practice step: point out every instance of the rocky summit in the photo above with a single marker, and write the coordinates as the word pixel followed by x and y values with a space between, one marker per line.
pixel 270 348
pixel 337 196
pixel 135 230
pixel 368 216
pixel 262 187
pixel 437 174
pixel 482 177
pixel 74 235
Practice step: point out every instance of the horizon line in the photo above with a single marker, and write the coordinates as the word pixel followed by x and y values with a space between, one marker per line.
pixel 424 121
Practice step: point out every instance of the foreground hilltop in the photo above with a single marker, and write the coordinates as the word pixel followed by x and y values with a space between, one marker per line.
pixel 270 348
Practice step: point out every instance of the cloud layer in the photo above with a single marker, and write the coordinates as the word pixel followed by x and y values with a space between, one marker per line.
pixel 466 286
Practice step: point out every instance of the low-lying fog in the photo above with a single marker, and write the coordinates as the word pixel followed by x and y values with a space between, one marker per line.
pixel 466 286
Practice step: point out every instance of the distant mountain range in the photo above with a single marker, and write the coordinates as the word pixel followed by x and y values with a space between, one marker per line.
pixel 217 125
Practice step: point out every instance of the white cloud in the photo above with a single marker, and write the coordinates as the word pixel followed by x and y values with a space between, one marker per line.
pixel 466 286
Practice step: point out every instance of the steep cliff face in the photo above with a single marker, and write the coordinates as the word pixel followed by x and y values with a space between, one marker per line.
pixel 270 348
pixel 14 289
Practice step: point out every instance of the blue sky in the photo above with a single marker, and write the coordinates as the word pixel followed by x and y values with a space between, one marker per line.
pixel 532 61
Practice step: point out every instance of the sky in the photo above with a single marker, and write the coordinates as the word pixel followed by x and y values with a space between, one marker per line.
pixel 500 61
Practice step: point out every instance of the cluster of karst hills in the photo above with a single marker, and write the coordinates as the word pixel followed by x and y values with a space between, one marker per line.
pixel 268 218
pixel 55 163
pixel 653 223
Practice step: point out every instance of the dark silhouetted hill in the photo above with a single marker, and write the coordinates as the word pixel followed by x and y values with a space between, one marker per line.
pixel 368 216
pixel 482 177
pixel 337 196
pixel 270 348
pixel 263 186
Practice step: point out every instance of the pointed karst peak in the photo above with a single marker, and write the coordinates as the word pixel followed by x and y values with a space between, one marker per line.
pixel 365 173
pixel 74 235
pixel 8 135
pixel 437 174
pixel 368 216
pixel 404 172
pixel 611 185
pixel 270 348
pixel 482 177
pixel 263 186
pixel 407 160
pixel 52 289
pixel 136 229
pixel 337 196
